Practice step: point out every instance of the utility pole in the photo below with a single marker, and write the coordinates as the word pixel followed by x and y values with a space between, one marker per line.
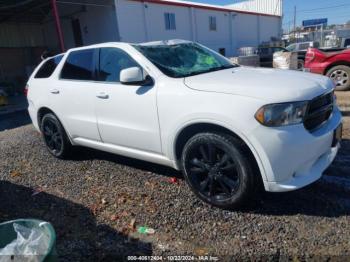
pixel 295 23
pixel 58 24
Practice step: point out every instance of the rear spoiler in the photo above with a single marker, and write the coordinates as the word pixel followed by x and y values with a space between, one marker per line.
pixel 46 54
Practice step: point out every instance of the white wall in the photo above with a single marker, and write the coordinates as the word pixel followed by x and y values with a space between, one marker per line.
pixel 270 26
pixel 98 25
pixel 221 38
pixel 130 17
pixel 142 22
pixel 246 30
pixel 252 30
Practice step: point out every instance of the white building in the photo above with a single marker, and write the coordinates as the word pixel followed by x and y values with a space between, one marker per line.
pixel 28 27
pixel 222 28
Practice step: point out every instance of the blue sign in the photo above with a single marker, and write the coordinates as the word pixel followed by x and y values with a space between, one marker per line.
pixel 315 22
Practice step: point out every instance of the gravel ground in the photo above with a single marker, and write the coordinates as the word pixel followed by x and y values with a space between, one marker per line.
pixel 95 201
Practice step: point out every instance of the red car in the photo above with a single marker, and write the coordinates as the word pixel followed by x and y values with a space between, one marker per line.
pixel 335 65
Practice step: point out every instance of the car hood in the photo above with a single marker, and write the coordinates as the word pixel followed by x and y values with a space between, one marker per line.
pixel 272 85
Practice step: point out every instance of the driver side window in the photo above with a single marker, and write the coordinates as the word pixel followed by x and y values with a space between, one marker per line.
pixel 111 62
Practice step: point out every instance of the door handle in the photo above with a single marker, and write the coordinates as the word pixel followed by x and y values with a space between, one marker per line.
pixel 103 96
pixel 55 91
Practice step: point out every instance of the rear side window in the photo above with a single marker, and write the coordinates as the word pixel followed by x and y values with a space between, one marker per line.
pixel 79 65
pixel 112 62
pixel 304 46
pixel 48 67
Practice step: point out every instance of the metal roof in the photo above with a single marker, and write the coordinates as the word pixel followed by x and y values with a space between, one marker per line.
pixel 30 11
pixel 35 11
pixel 205 6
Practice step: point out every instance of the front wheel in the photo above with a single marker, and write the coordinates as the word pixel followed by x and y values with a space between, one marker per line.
pixel 340 76
pixel 217 170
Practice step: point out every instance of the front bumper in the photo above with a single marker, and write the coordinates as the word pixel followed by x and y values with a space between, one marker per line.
pixel 292 157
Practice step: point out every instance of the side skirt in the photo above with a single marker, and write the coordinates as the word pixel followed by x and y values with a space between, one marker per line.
pixel 125 151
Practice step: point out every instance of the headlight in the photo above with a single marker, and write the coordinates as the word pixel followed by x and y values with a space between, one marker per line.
pixel 284 114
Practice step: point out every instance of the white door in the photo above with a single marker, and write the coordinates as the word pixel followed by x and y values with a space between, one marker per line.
pixel 126 114
pixel 73 96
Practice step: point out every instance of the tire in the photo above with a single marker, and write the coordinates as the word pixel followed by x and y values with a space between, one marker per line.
pixel 301 64
pixel 223 178
pixel 55 137
pixel 341 76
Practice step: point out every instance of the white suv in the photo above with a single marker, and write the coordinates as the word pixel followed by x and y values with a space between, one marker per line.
pixel 177 103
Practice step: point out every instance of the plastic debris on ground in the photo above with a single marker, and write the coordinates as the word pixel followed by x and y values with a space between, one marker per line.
pixel 31 245
pixel 132 225
pixel 173 180
pixel 146 230
pixel 37 191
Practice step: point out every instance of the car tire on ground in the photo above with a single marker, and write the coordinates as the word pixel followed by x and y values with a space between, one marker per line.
pixel 301 64
pixel 55 137
pixel 218 170
pixel 341 77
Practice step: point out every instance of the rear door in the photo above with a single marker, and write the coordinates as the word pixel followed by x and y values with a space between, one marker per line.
pixel 73 95
pixel 127 114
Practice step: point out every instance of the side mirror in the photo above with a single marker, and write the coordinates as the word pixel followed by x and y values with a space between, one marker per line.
pixel 134 76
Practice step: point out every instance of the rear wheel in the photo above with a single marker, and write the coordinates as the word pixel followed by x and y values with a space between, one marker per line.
pixel 218 171
pixel 55 137
pixel 340 76
pixel 301 64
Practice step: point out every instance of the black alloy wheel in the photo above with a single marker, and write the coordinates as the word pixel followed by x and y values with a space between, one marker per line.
pixel 55 137
pixel 217 169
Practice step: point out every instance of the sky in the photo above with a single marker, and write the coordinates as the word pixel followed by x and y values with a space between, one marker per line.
pixel 337 11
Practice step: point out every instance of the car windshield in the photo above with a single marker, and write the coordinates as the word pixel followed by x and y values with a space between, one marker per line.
pixel 185 59
pixel 291 48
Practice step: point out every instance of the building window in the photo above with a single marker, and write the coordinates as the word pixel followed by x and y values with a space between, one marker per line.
pixel 212 23
pixel 170 23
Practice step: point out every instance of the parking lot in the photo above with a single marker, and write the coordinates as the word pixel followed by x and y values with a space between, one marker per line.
pixel 96 200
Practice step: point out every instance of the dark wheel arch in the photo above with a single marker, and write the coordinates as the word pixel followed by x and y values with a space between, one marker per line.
pixel 42 112
pixel 338 63
pixel 340 74
pixel 191 130
pixel 45 110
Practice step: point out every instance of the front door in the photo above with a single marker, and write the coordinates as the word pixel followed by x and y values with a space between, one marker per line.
pixel 126 114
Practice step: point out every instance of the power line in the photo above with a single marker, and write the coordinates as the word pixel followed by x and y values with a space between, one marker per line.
pixel 320 8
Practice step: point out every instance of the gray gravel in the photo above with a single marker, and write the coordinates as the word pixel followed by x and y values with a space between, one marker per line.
pixel 93 199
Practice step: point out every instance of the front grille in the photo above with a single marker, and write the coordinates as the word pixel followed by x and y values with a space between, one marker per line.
pixel 319 111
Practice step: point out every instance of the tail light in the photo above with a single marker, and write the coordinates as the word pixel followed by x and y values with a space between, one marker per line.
pixel 26 90
pixel 310 56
